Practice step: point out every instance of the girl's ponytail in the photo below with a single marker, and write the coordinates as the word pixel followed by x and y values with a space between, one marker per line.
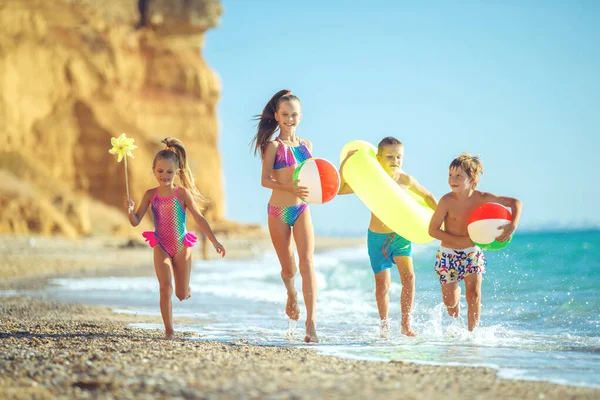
pixel 185 173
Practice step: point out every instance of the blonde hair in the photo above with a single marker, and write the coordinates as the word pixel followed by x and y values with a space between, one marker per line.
pixel 175 151
pixel 388 141
pixel 472 165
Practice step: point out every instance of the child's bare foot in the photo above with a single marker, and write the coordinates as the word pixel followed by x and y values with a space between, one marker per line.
pixel 189 293
pixel 311 333
pixel 407 331
pixel 384 328
pixel 405 326
pixel 454 311
pixel 169 335
pixel 291 308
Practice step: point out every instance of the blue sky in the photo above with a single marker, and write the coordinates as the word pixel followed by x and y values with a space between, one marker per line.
pixel 517 82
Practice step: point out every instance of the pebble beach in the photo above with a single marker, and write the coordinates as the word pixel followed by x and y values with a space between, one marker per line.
pixel 53 350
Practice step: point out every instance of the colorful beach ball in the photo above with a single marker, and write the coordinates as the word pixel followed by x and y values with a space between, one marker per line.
pixel 320 177
pixel 484 225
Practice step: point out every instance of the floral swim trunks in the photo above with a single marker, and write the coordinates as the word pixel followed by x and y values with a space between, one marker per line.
pixel 453 265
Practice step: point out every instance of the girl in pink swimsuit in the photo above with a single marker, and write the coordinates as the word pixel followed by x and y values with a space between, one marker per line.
pixel 169 205
pixel 288 214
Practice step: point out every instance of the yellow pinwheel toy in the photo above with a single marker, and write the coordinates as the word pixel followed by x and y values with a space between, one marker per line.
pixel 122 147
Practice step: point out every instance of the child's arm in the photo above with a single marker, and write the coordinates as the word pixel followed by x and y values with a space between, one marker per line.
pixel 515 206
pixel 424 193
pixel 202 223
pixel 344 187
pixel 435 228
pixel 267 175
pixel 136 217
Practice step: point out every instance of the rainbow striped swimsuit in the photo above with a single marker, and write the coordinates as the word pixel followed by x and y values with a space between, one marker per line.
pixel 169 225
pixel 287 214
pixel 289 156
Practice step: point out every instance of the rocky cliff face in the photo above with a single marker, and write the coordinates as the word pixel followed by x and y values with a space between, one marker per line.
pixel 73 74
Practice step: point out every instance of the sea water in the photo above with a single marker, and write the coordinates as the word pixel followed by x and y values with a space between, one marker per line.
pixel 540 307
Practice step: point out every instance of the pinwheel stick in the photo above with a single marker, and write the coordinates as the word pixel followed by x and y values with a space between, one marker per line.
pixel 126 177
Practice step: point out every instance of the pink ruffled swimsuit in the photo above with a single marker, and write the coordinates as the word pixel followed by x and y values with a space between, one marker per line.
pixel 169 224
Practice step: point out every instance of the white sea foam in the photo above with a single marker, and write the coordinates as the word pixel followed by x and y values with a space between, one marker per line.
pixel 117 284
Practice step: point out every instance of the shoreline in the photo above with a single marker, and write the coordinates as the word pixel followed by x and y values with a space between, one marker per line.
pixel 51 349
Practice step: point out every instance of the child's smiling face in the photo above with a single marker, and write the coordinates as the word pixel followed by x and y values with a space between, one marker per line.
pixel 164 171
pixel 390 157
pixel 288 115
pixel 458 180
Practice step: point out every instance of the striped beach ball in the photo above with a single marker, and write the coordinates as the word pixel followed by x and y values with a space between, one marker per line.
pixel 320 177
pixel 484 225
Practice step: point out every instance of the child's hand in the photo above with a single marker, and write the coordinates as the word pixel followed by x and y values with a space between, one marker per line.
pixel 347 157
pixel 219 248
pixel 507 230
pixel 129 205
pixel 298 191
pixel 349 154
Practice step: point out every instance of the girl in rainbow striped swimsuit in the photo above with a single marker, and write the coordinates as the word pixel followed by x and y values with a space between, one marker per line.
pixel 287 214
pixel 169 205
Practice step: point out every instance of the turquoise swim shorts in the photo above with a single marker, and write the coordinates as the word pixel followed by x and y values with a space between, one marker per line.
pixel 383 247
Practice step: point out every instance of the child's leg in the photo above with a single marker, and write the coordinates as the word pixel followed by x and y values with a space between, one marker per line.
pixel 407 277
pixel 451 297
pixel 162 265
pixel 182 267
pixel 473 295
pixel 281 236
pixel 305 244
pixel 382 286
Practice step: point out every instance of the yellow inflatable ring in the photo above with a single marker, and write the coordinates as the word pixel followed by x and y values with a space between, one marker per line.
pixel 403 211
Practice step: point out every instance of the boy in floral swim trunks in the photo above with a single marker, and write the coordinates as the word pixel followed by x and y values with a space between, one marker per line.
pixel 458 258
pixel 387 248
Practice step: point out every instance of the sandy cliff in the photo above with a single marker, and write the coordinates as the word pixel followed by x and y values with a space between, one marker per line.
pixel 74 73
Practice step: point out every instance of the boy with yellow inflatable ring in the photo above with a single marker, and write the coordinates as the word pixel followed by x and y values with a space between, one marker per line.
pixel 387 247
